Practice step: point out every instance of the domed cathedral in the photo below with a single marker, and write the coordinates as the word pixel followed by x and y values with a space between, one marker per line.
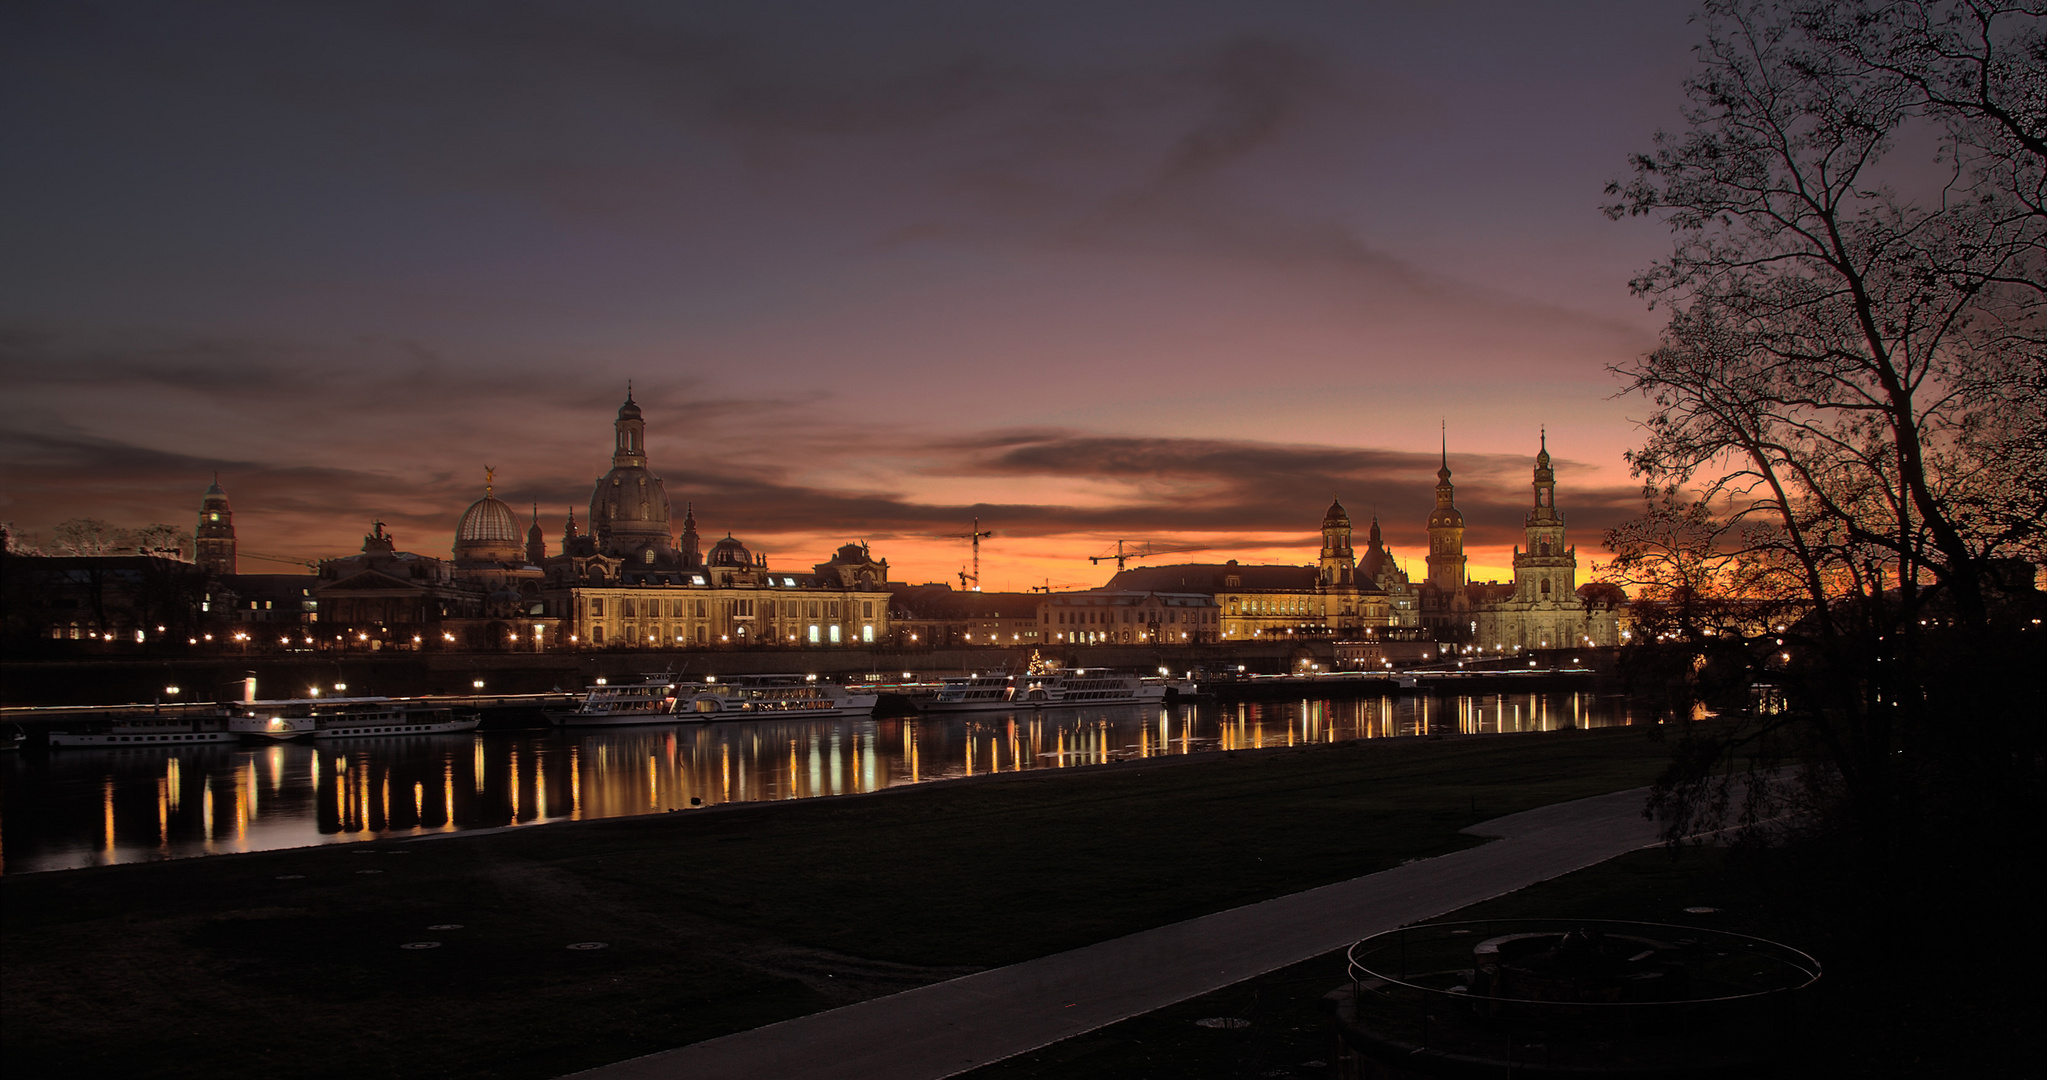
pixel 630 584
pixel 1545 609
pixel 214 541
pixel 629 513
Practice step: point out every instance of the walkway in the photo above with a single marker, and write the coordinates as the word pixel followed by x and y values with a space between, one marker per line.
pixel 947 1028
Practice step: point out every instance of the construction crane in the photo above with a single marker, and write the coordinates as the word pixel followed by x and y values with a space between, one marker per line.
pixel 1048 586
pixel 974 535
pixel 292 559
pixel 1140 551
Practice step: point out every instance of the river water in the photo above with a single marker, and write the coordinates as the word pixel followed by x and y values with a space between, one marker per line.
pixel 87 807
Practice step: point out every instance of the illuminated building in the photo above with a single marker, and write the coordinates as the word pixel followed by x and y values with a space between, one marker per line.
pixel 938 614
pixel 1336 597
pixel 629 583
pixel 213 546
pixel 1545 609
pixel 1114 616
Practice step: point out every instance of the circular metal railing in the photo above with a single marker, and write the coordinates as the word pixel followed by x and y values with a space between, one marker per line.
pixel 1665 998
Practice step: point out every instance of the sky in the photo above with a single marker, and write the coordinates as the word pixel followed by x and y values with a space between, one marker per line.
pixel 1174 272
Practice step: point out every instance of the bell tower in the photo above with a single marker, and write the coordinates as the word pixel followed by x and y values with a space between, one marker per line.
pixel 1547 571
pixel 1446 531
pixel 214 540
pixel 1339 567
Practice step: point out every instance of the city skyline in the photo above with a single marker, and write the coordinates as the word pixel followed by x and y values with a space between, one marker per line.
pixel 1084 276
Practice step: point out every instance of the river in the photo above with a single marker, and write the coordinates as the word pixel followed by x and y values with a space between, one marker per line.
pixel 90 807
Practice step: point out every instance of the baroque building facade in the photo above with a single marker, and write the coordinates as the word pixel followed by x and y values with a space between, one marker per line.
pixel 1340 595
pixel 631 582
pixel 1544 607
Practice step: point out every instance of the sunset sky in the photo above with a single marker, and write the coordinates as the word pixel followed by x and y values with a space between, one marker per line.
pixel 1172 272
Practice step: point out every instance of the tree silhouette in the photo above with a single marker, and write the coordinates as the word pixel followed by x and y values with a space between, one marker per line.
pixel 1853 379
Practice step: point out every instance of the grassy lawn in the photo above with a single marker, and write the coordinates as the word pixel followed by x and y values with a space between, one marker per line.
pixel 1892 1003
pixel 711 921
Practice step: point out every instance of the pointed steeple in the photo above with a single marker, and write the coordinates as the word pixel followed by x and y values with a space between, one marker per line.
pixel 692 548
pixel 536 545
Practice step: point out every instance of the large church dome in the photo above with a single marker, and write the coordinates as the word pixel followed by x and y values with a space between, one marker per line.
pixel 489 531
pixel 629 510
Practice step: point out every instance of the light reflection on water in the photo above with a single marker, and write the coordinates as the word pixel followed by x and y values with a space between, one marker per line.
pixel 87 807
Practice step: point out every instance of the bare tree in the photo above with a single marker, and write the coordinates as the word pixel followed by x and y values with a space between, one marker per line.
pixel 86 536
pixel 1853 375
pixel 159 539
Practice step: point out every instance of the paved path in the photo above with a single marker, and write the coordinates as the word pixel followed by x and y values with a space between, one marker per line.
pixel 947 1028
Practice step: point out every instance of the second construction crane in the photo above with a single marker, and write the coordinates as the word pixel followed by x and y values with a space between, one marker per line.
pixel 975 534
pixel 1145 550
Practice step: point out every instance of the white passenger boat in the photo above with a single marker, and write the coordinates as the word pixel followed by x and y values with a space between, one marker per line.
pixel 367 720
pixel 649 702
pixel 781 697
pixel 1050 690
pixel 346 718
pixel 146 730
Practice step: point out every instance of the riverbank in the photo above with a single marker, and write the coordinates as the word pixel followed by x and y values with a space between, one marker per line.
pixel 713 922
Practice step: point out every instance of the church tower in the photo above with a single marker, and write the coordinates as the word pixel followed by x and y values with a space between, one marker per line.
pixel 214 542
pixel 536 545
pixel 1446 532
pixel 692 549
pixel 629 512
pixel 1338 566
pixel 1547 571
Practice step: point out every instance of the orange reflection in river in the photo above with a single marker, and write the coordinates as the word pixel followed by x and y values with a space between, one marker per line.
pixel 128 804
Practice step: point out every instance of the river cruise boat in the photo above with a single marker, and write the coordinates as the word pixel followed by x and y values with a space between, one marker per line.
pixel 146 730
pixel 346 718
pixel 995 692
pixel 651 701
pixel 779 697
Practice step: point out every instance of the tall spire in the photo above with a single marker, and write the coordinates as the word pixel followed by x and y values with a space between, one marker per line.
pixel 490 475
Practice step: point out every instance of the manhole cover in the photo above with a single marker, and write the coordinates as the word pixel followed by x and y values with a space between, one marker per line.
pixel 445 926
pixel 587 945
pixel 291 877
pixel 1702 911
pixel 369 871
pixel 1226 1023
pixel 421 945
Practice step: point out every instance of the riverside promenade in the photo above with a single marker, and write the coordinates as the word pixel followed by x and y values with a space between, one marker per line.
pixel 953 1026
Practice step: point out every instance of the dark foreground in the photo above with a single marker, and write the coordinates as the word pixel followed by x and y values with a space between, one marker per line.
pixel 291 962
pixel 1897 1000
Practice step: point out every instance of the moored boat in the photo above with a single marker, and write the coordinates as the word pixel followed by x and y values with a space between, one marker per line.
pixel 146 730
pixel 650 702
pixel 1051 690
pixel 346 718
pixel 784 697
